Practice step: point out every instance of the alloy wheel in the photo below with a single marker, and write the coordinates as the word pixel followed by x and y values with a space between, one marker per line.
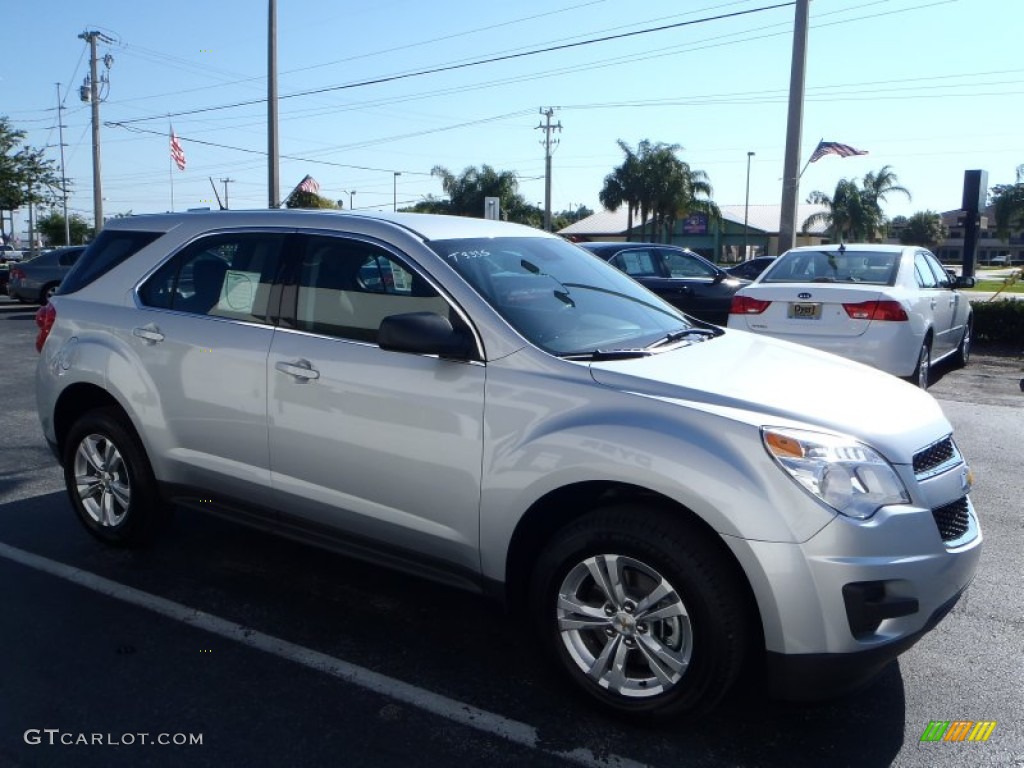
pixel 624 625
pixel 101 480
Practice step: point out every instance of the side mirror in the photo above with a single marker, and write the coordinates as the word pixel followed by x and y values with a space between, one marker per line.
pixel 963 282
pixel 423 333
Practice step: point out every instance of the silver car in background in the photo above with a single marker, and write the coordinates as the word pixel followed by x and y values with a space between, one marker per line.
pixel 667 506
pixel 37 279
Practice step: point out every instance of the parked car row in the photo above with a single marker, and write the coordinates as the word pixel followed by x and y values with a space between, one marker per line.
pixel 663 503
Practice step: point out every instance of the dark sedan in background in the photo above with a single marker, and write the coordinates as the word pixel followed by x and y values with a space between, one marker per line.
pixel 751 268
pixel 681 277
pixel 37 279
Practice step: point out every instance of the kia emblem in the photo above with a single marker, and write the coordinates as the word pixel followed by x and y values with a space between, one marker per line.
pixel 803 295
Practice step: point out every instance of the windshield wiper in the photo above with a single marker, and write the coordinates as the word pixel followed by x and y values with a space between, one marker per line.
pixel 607 354
pixel 698 334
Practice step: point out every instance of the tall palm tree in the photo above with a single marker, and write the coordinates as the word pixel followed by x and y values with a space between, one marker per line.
pixel 876 187
pixel 623 186
pixel 847 214
pixel 677 190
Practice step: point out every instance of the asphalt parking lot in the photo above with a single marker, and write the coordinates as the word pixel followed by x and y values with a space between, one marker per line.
pixel 277 654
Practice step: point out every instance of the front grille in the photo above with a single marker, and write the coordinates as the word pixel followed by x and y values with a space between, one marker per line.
pixel 935 455
pixel 953 519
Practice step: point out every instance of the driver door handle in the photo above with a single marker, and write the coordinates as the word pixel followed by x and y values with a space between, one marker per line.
pixel 302 370
pixel 148 333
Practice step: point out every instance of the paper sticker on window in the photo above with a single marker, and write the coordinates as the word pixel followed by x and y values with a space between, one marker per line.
pixel 239 291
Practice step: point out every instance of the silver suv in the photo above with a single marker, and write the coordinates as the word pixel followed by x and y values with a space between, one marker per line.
pixel 669 502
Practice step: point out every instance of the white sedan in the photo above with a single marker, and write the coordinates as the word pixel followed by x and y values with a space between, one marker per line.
pixel 890 306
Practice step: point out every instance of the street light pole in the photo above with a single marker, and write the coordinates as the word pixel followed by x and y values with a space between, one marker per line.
pixel 394 199
pixel 746 207
pixel 350 196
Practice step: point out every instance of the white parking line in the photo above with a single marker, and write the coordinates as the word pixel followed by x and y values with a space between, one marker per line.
pixel 450 709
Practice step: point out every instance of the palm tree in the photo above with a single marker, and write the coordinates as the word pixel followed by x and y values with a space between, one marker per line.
pixel 466 192
pixel 676 189
pixel 623 185
pixel 876 187
pixel 847 213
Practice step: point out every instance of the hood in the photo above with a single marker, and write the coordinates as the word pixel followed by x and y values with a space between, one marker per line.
pixel 768 382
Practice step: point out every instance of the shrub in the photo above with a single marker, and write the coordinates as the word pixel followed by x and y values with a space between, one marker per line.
pixel 999 321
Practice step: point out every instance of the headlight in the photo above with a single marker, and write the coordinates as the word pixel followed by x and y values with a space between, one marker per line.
pixel 845 474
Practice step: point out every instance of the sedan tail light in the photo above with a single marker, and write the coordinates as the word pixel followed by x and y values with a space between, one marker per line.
pixel 745 305
pixel 17 274
pixel 877 310
pixel 45 317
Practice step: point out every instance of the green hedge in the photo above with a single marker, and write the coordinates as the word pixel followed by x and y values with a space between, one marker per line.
pixel 999 321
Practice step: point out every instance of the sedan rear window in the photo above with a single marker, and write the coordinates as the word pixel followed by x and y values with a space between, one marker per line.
pixel 838 266
pixel 109 249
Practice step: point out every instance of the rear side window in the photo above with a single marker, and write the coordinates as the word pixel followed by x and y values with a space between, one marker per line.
pixel 225 275
pixel 107 251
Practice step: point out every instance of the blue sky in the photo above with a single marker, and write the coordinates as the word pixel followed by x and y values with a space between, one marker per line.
pixel 929 87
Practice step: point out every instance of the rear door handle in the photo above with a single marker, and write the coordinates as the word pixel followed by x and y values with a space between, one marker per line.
pixel 148 333
pixel 300 369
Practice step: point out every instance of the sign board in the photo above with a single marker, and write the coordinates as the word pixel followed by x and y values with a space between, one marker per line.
pixel 695 224
pixel 492 208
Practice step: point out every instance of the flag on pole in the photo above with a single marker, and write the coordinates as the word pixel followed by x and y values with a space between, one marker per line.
pixel 177 153
pixel 834 148
pixel 309 184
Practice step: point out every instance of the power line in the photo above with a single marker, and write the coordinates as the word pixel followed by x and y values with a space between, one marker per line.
pixel 465 65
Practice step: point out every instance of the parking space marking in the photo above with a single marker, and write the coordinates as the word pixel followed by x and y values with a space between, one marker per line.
pixel 450 709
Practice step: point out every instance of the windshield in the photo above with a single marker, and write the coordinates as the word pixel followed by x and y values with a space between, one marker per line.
pixel 560 297
pixel 836 266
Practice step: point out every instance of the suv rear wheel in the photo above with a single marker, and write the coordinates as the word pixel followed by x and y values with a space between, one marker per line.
pixel 641 612
pixel 110 481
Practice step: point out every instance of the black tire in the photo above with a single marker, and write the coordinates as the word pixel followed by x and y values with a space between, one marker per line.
pixel 702 632
pixel 922 372
pixel 962 356
pixel 117 499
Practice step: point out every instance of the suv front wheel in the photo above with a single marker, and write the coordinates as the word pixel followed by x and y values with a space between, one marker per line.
pixel 641 612
pixel 109 480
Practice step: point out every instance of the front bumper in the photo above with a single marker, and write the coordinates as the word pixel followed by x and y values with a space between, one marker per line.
pixel 838 607
pixel 814 676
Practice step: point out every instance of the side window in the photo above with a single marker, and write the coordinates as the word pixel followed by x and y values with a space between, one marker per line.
pixel 346 287
pixel 923 273
pixel 636 263
pixel 679 264
pixel 110 248
pixel 68 258
pixel 227 275
pixel 941 276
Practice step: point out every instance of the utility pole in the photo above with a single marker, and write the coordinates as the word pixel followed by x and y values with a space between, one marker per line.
pixel 63 178
pixel 794 130
pixel 394 198
pixel 746 207
pixel 547 127
pixel 91 92
pixel 274 183
pixel 225 182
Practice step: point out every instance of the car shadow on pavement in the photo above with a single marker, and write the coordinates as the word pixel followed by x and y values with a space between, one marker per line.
pixel 447 641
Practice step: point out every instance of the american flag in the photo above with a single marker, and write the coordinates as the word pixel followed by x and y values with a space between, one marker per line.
pixel 177 153
pixel 834 148
pixel 309 184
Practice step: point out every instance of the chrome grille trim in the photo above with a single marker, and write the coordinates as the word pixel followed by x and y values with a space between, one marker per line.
pixel 936 458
